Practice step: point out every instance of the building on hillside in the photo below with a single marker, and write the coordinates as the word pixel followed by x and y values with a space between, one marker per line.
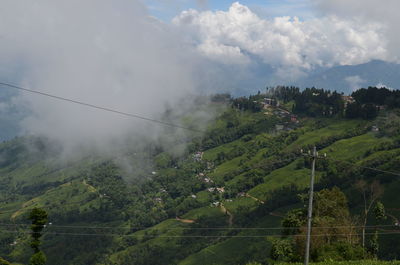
pixel 270 102
pixel 375 128
pixel 198 156
pixel 348 100
pixel 216 204
pixel 208 180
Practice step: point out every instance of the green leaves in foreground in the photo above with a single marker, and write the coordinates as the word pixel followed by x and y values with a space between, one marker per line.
pixel 359 262
pixel 38 259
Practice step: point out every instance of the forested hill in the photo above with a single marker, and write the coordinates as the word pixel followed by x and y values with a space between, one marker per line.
pixel 231 196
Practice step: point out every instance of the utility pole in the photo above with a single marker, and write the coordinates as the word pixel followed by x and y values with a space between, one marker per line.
pixel 314 157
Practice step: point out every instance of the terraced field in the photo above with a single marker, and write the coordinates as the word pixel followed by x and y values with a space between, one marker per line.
pixel 216 210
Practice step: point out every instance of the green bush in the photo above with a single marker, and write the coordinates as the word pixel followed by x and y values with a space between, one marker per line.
pixel 358 262
pixel 38 259
pixel 339 251
pixel 4 262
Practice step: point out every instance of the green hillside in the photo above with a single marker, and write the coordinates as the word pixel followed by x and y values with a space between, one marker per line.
pixel 218 201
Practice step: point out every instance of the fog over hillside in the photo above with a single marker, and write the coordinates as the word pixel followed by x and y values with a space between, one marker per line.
pixel 105 53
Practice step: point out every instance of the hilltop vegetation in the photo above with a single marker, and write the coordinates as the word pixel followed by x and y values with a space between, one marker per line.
pixel 221 198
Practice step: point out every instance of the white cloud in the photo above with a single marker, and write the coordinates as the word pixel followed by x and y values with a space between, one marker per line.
pixel 382 85
pixel 355 82
pixel 367 11
pixel 238 35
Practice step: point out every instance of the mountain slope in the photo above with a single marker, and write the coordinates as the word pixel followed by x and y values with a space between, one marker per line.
pixel 348 78
pixel 176 214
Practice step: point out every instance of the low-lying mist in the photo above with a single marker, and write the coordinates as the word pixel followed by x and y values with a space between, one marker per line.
pixel 106 53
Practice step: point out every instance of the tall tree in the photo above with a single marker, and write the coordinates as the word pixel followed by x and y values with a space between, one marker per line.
pixel 39 219
pixel 371 193
pixel 380 215
pixel 333 228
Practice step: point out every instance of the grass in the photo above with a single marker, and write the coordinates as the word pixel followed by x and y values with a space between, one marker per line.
pixel 203 196
pixel 333 128
pixel 203 211
pixel 233 250
pixel 226 168
pixel 211 154
pixel 236 249
pixel 386 154
pixel 358 262
pixel 355 147
pixel 70 195
pixel 240 202
pixel 281 177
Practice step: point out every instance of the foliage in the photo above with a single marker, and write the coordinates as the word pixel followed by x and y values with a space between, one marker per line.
pixel 293 221
pixel 338 251
pixel 164 214
pixel 379 211
pixel 371 192
pixel 356 110
pixel 377 96
pixel 319 102
pixel 221 98
pixel 331 222
pixel 250 103
pixel 37 259
pixel 4 262
pixel 282 250
pixel 39 219
pixel 373 247
pixel 359 262
pixel 284 93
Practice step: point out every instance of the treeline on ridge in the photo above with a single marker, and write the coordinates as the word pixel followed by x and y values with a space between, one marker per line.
pixel 364 103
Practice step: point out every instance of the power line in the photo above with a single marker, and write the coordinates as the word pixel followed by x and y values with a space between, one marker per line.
pixel 198 236
pixel 200 228
pixel 136 116
pixel 370 168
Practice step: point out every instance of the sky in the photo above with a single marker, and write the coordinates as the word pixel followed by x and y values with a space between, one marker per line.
pixel 148 56
pixel 167 9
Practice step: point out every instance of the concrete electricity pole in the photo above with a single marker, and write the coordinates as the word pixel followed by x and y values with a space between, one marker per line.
pixel 314 157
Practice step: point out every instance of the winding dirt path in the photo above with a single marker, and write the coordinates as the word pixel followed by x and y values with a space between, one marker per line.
pixel 186 221
pixel 394 218
pixel 254 198
pixel 225 211
pixel 276 214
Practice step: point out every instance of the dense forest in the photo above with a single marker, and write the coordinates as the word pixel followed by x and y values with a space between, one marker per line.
pixel 233 195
